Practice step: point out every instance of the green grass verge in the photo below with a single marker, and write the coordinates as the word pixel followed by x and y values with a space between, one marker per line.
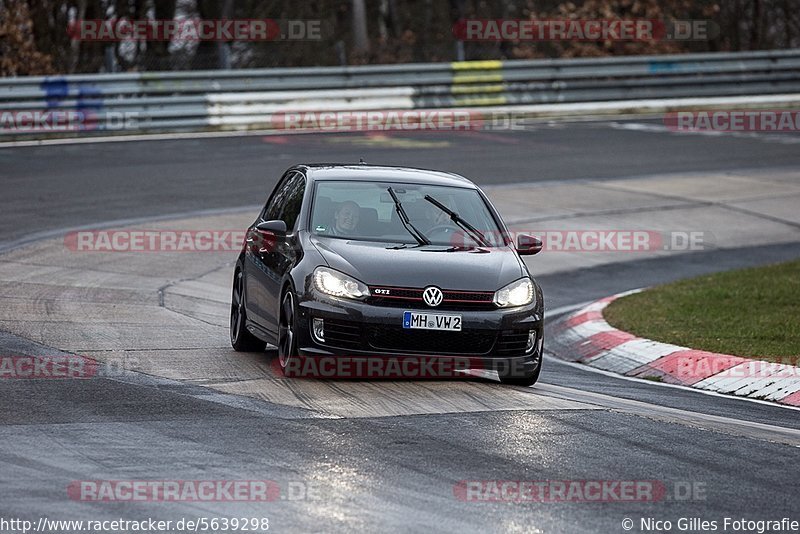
pixel 754 313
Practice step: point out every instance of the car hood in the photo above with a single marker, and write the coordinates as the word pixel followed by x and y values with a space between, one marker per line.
pixel 470 269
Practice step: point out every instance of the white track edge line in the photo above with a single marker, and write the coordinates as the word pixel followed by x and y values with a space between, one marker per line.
pixel 550 357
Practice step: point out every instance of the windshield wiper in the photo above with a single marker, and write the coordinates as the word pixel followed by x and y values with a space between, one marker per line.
pixel 419 236
pixel 460 221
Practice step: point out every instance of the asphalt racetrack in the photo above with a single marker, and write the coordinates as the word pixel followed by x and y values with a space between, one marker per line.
pixel 173 402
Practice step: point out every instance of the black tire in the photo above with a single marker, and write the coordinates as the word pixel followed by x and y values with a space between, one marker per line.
pixel 241 338
pixel 287 334
pixel 513 377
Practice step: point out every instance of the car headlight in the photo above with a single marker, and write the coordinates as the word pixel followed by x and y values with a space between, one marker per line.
pixel 338 284
pixel 517 293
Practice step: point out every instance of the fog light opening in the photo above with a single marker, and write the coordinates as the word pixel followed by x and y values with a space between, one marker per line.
pixel 318 330
pixel 531 341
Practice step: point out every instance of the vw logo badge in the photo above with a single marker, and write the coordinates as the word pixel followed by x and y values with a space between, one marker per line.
pixel 432 296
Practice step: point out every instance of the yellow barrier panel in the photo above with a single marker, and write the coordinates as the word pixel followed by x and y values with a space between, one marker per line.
pixel 481 101
pixel 477 65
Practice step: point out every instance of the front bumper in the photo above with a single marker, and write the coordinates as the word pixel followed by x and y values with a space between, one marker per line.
pixel 489 339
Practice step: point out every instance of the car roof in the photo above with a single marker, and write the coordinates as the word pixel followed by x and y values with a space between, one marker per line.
pixel 387 173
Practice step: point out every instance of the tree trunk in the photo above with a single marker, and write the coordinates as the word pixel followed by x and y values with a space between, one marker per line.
pixel 360 38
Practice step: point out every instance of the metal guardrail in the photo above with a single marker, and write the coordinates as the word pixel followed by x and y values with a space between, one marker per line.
pixel 247 99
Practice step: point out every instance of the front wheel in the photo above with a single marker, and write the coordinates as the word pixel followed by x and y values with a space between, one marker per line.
pixel 287 338
pixel 241 338
pixel 518 377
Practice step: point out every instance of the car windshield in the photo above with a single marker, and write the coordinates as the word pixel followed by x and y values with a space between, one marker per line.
pixel 367 211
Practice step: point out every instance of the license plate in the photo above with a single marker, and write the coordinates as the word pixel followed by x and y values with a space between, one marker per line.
pixel 431 321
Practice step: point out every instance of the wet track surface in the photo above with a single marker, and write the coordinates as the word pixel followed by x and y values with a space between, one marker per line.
pixel 73 185
pixel 379 455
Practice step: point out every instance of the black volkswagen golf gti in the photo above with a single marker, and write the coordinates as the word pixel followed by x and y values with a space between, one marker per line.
pixel 387 262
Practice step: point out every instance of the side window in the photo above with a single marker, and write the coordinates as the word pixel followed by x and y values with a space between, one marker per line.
pixel 286 201
pixel 272 211
pixel 295 189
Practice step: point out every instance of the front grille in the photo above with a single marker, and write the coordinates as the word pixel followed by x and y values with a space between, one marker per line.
pixel 398 339
pixel 401 292
pixel 512 342
pixel 342 334
pixel 405 297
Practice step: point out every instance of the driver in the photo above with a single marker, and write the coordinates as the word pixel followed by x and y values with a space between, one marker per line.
pixel 434 216
pixel 345 218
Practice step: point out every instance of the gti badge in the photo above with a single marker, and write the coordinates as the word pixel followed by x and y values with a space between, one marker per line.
pixel 432 296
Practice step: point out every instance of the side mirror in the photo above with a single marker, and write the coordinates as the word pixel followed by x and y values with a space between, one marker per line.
pixel 275 227
pixel 527 245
